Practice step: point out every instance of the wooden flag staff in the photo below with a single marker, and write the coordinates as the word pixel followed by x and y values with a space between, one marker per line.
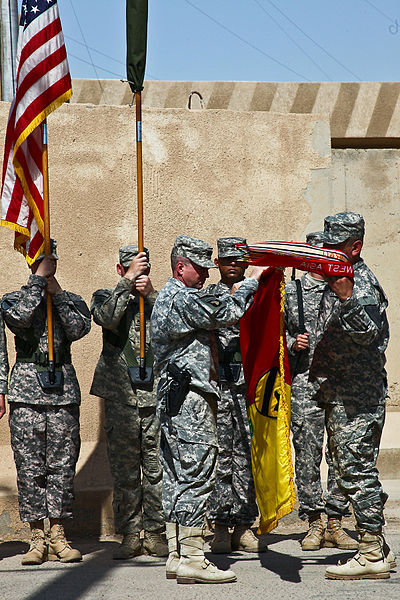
pixel 51 381
pixel 145 373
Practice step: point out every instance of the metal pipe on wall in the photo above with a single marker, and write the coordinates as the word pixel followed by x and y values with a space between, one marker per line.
pixel 9 40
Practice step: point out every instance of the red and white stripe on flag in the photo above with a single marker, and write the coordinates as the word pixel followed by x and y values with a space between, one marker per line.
pixel 43 84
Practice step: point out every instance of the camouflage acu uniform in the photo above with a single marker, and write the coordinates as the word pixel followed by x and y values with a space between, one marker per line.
pixel 131 423
pixel 233 499
pixel 349 359
pixel 3 358
pixel 307 418
pixel 44 427
pixel 182 327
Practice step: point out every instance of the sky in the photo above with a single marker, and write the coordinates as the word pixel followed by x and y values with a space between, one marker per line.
pixel 240 40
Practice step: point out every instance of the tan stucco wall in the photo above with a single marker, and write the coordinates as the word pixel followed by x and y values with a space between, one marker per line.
pixel 365 109
pixel 206 173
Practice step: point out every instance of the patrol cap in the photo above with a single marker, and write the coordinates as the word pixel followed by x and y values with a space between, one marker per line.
pixel 227 247
pixel 342 226
pixel 53 250
pixel 316 238
pixel 127 253
pixel 195 250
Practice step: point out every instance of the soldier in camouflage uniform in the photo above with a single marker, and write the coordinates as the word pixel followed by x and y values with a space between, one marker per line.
pixel 308 419
pixel 351 338
pixel 185 352
pixel 233 500
pixel 45 425
pixel 3 367
pixel 131 424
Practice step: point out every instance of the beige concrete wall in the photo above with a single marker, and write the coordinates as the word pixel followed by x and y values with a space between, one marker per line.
pixel 366 109
pixel 206 173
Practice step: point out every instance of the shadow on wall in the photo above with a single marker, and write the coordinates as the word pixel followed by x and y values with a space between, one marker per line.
pixel 92 508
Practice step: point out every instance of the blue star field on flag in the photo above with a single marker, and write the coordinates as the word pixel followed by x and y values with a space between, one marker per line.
pixel 33 8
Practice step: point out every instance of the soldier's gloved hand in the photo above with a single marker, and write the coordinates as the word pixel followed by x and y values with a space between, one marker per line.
pixel 143 285
pixel 301 342
pixel 53 287
pixel 2 405
pixel 138 266
pixel 47 266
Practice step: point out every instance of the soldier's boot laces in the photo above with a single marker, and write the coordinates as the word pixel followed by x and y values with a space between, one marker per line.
pixel 155 543
pixel 59 547
pixel 315 534
pixel 244 539
pixel 37 552
pixel 193 566
pixel 173 550
pixel 336 537
pixel 129 547
pixel 368 563
pixel 221 542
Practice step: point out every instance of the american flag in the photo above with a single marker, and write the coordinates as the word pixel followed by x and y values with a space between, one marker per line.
pixel 43 84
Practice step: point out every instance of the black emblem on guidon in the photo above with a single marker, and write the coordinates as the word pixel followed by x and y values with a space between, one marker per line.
pixel 267 396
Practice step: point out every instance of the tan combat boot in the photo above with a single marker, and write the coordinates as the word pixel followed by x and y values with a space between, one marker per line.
pixel 155 543
pixel 244 539
pixel 173 553
pixel 221 542
pixel 336 537
pixel 37 552
pixel 315 534
pixel 129 547
pixel 193 566
pixel 368 563
pixel 390 557
pixel 59 548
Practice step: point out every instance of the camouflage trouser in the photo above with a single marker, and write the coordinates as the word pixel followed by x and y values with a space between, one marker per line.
pixel 308 426
pixel 46 442
pixel 189 457
pixel 133 443
pixel 354 435
pixel 233 499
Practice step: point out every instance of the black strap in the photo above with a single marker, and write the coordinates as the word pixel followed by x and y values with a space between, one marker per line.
pixel 61 357
pixel 300 306
pixel 123 342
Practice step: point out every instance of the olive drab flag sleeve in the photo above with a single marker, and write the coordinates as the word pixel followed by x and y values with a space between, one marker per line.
pixel 136 42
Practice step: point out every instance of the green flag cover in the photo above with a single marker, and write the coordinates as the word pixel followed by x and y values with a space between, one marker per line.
pixel 136 42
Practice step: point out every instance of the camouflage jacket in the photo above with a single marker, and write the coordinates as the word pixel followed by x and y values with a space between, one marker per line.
pixel 182 327
pixel 352 337
pixel 3 358
pixel 313 290
pixel 228 339
pixel 26 316
pixel 116 311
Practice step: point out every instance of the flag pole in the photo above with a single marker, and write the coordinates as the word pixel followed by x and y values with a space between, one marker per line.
pixel 136 38
pixel 139 184
pixel 47 247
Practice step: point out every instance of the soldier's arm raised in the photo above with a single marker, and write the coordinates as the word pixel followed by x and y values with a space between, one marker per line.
pixel 109 306
pixel 202 310
pixel 74 314
pixel 364 318
pixel 19 308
